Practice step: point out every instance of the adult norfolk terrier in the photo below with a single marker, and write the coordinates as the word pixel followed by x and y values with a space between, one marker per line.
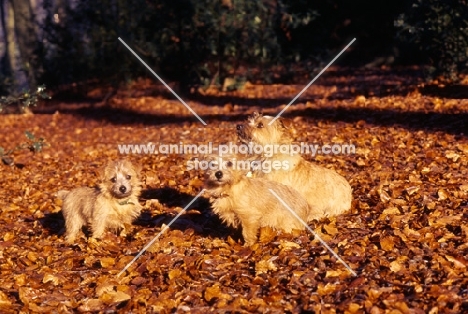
pixel 241 201
pixel 324 189
pixel 112 204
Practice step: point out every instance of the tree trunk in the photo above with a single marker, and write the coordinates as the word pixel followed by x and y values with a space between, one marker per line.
pixel 10 53
pixel 5 65
pixel 26 38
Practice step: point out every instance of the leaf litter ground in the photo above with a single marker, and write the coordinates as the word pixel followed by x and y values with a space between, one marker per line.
pixel 405 236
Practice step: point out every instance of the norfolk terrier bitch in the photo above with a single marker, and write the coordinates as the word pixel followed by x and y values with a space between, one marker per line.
pixel 324 189
pixel 112 204
pixel 242 201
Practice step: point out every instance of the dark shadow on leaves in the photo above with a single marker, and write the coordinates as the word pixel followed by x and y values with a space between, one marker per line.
pixel 247 102
pixel 450 91
pixel 121 116
pixel 54 223
pixel 171 197
pixel 452 123
pixel 203 221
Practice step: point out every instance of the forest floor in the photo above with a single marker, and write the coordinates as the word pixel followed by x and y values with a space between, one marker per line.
pixel 405 235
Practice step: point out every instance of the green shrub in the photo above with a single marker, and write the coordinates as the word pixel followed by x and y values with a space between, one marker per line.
pixel 23 101
pixel 439 29
pixel 32 144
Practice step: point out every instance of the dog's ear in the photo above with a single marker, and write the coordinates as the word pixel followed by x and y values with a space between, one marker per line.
pixel 137 167
pixel 101 172
pixel 255 115
pixel 285 123
pixel 129 165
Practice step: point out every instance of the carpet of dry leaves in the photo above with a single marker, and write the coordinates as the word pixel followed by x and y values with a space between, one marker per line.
pixel 405 236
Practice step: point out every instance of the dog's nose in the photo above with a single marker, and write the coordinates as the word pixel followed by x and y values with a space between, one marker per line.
pixel 122 189
pixel 219 175
pixel 239 127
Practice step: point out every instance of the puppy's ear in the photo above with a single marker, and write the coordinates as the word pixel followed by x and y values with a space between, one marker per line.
pixel 131 166
pixel 285 123
pixel 255 115
pixel 137 167
pixel 101 172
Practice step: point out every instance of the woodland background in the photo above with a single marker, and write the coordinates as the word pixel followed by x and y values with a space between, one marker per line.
pixel 398 94
pixel 63 42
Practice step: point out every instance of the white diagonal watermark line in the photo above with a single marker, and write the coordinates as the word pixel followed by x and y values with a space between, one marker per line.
pixel 160 79
pixel 159 234
pixel 315 234
pixel 311 82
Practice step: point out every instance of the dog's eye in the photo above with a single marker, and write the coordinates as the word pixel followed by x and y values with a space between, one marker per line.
pixel 128 177
pixel 114 179
pixel 229 164
pixel 260 125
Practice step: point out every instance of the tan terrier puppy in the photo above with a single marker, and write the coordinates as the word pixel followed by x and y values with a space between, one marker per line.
pixel 324 189
pixel 112 204
pixel 247 202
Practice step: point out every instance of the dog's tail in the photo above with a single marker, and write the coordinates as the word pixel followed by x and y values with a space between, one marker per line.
pixel 62 194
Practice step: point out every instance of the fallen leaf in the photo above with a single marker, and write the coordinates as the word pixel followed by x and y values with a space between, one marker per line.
pixel 288 245
pixel 107 262
pixel 387 243
pixel 90 305
pixel 264 266
pixel 215 292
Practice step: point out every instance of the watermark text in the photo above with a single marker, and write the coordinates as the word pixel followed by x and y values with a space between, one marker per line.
pixel 210 148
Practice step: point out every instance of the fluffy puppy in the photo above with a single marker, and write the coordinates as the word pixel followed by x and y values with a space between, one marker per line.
pixel 324 189
pixel 112 204
pixel 241 201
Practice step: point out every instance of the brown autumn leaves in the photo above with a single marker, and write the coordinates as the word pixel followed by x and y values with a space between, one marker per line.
pixel 406 235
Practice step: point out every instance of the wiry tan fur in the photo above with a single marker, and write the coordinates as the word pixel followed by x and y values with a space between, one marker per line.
pixel 324 189
pixel 112 204
pixel 246 202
